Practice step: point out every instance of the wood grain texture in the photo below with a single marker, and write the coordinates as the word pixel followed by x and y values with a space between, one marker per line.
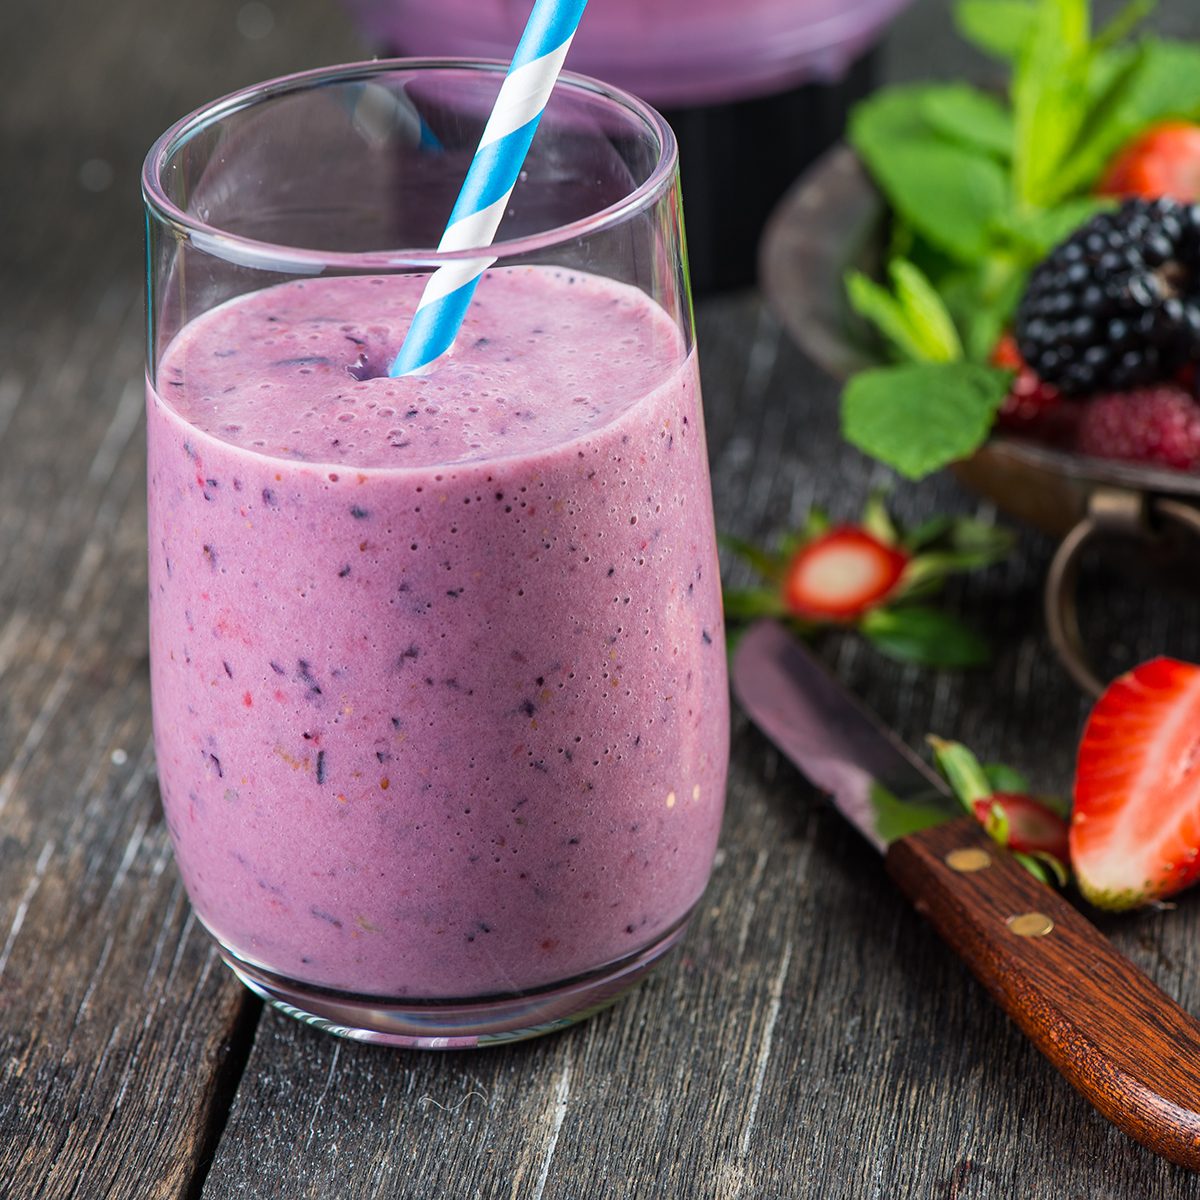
pixel 121 1035
pixel 812 1040
pixel 1119 1040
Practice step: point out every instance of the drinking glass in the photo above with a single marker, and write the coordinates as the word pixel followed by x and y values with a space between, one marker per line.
pixel 438 672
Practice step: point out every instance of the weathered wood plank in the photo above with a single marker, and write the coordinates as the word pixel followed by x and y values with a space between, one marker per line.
pixel 121 1036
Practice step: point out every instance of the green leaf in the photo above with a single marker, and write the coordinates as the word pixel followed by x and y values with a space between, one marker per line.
pixel 982 299
pixel 881 308
pixel 970 117
pixel 748 604
pixel 997 27
pixel 948 193
pixel 923 635
pixel 767 565
pixel 1035 234
pixel 895 818
pixel 815 524
pixel 928 532
pixel 1044 867
pixel 913 319
pixel 1123 24
pixel 1161 81
pixel 963 773
pixel 1003 778
pixel 877 521
pixel 967 545
pixel 969 535
pixel 920 416
pixel 1049 97
pixel 926 312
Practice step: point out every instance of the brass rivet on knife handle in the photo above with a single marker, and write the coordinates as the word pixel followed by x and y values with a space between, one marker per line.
pixel 968 858
pixel 1030 924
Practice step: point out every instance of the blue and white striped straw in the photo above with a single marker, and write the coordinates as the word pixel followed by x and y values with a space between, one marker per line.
pixel 490 180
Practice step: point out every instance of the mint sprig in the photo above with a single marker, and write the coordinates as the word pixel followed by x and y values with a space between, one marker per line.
pixel 920 416
pixel 981 188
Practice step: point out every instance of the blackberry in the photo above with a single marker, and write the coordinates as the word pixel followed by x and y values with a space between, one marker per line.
pixel 1117 305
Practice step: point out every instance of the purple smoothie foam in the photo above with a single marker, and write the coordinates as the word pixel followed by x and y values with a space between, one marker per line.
pixel 438 665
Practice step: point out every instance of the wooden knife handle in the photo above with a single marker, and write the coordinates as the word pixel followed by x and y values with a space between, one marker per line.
pixel 1116 1037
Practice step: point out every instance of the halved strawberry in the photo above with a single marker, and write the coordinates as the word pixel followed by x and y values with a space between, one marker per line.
pixel 1164 161
pixel 841 574
pixel 1033 827
pixel 1135 828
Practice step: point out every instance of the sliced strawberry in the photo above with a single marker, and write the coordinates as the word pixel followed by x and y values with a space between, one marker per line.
pixel 1135 828
pixel 841 575
pixel 1033 827
pixel 1164 161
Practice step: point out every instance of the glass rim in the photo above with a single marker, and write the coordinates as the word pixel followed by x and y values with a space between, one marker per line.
pixel 308 261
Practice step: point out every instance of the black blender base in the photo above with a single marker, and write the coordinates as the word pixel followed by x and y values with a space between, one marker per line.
pixel 738 159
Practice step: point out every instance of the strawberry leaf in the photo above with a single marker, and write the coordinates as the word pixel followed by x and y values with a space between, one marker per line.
pixel 920 417
pixel 877 521
pixel 1002 778
pixel 963 773
pixel 768 565
pixel 748 604
pixel 815 524
pixel 1043 867
pixel 923 635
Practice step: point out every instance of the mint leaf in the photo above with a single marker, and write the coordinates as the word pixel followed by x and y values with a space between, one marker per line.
pixel 1002 778
pixel 923 635
pixel 927 314
pixel 970 117
pixel 1035 234
pixel 1161 82
pixel 874 302
pixel 1049 97
pixel 948 193
pixel 997 27
pixel 918 417
pixel 1123 24
pixel 914 319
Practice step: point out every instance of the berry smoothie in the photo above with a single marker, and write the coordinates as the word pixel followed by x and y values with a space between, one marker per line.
pixel 438 664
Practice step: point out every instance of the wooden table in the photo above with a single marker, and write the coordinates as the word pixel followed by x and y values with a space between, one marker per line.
pixel 811 1039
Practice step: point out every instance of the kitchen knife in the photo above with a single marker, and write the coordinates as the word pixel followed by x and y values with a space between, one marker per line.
pixel 1115 1036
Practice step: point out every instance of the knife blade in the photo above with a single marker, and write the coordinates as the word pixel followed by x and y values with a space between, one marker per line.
pixel 1114 1035
pixel 876 782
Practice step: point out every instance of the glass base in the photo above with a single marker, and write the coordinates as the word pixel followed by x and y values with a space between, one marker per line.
pixel 454 1024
